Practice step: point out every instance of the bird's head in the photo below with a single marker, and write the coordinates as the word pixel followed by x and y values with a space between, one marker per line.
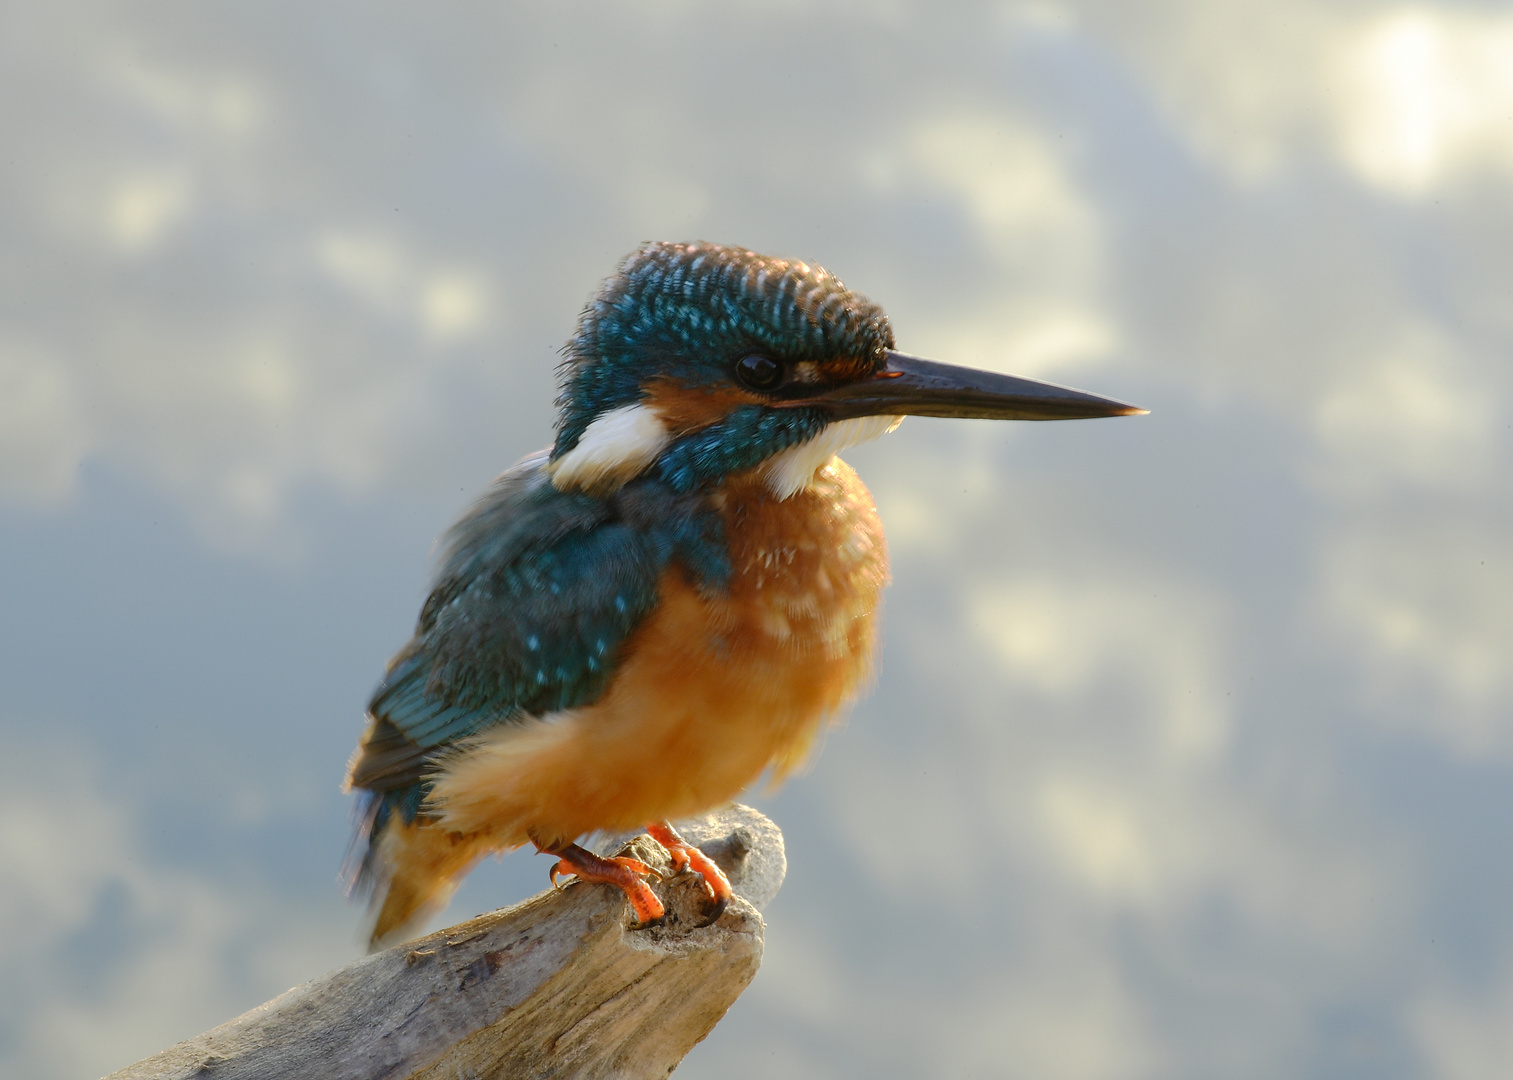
pixel 700 361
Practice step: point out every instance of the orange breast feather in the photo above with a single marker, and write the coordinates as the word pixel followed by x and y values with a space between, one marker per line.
pixel 712 690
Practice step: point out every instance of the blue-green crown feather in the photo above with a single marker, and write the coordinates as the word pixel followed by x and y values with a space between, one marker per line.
pixel 689 310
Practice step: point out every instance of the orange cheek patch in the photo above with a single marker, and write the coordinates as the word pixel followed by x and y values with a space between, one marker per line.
pixel 686 409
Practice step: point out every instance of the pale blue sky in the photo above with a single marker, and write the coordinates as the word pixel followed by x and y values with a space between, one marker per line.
pixel 1191 747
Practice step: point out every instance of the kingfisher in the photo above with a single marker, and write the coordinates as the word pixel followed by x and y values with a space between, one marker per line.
pixel 671 602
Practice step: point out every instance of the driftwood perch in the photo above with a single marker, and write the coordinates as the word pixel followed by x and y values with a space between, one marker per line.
pixel 552 987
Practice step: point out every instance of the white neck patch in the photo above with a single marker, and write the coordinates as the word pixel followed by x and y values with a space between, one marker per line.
pixel 612 450
pixel 790 472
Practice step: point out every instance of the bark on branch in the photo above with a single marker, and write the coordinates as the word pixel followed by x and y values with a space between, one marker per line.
pixel 552 987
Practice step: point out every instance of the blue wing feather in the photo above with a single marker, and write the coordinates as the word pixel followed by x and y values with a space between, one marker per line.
pixel 535 594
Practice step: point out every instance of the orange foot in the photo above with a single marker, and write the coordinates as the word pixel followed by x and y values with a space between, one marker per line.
pixel 687 857
pixel 621 871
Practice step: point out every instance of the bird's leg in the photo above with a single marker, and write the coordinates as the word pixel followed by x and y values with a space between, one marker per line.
pixel 687 857
pixel 625 873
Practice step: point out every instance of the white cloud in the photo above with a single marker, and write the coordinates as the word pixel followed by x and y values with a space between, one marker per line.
pixel 1161 845
pixel 1099 754
pixel 1412 413
pixel 1034 337
pixel 1408 99
pixel 1466 1036
pixel 1009 181
pixel 1004 174
pixel 179 297
pixel 1094 831
pixel 212 100
pixel 1037 310
pixel 141 206
pixel 1066 637
pixel 43 432
pixel 1427 96
pixel 454 303
pixel 1426 612
pixel 447 303
pixel 73 867
pixel 371 267
pixel 1239 79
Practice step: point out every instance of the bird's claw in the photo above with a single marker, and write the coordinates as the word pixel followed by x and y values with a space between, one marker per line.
pixel 687 857
pixel 716 909
pixel 625 873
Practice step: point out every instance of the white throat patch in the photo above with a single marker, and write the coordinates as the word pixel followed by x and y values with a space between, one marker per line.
pixel 612 450
pixel 790 472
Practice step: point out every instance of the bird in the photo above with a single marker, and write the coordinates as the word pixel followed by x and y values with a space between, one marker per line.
pixel 638 623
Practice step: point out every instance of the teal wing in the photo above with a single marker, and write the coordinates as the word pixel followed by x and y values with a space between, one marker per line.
pixel 536 594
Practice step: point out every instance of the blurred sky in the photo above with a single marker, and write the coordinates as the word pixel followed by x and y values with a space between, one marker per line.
pixel 1190 754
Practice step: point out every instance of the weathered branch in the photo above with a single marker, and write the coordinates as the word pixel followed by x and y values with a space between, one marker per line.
pixel 553 987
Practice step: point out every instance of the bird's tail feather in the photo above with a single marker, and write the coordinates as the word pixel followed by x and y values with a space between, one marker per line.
pixel 357 867
pixel 405 863
pixel 424 864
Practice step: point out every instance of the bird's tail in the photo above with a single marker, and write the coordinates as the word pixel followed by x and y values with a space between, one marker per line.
pixel 405 863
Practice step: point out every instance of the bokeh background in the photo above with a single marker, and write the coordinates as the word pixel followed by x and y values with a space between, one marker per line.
pixel 1191 749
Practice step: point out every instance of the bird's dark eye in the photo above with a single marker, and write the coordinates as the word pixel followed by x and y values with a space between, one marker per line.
pixel 758 372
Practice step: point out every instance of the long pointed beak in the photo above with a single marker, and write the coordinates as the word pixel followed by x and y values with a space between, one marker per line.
pixel 910 386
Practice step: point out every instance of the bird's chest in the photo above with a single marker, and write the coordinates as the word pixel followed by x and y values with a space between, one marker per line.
pixel 807 572
pixel 744 676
